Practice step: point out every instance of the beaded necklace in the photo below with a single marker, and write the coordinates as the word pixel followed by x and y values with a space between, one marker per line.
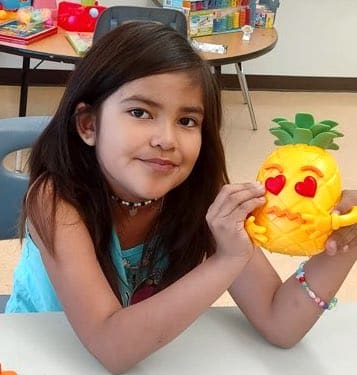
pixel 133 206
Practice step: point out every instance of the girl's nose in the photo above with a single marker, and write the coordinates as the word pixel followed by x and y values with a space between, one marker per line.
pixel 164 136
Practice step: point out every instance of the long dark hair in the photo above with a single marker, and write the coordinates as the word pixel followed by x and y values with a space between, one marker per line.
pixel 60 157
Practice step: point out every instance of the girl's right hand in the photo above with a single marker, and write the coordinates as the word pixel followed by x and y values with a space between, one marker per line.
pixel 345 238
pixel 226 217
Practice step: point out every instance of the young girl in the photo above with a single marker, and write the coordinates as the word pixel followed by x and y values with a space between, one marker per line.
pixel 131 225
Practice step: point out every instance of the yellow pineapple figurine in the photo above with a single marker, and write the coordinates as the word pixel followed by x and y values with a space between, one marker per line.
pixel 303 185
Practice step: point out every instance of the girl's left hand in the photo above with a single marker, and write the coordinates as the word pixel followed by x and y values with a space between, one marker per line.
pixel 344 239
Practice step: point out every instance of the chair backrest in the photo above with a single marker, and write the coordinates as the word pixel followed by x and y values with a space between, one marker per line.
pixel 15 134
pixel 113 17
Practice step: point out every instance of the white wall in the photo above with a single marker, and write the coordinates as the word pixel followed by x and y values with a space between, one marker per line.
pixel 316 38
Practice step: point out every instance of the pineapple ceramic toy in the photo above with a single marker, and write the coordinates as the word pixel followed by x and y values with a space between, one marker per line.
pixel 303 184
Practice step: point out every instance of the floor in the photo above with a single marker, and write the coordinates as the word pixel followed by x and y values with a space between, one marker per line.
pixel 245 150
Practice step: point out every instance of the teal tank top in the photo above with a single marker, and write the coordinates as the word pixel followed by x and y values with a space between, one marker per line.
pixel 34 292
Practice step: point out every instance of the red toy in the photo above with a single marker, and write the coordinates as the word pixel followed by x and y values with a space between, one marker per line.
pixel 77 17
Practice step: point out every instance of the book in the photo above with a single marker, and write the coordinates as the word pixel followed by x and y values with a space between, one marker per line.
pixel 7 15
pixel 15 32
pixel 80 41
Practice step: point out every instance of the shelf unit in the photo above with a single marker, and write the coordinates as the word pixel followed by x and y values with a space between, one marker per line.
pixel 206 17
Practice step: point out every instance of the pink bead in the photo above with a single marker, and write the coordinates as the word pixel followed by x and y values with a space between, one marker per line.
pixel 300 276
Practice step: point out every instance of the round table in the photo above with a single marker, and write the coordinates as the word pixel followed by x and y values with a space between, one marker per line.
pixel 57 48
pixel 238 50
pixel 52 48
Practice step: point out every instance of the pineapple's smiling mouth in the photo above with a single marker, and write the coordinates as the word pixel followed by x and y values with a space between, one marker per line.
pixel 292 216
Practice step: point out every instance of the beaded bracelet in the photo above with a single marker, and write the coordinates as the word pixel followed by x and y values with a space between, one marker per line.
pixel 300 277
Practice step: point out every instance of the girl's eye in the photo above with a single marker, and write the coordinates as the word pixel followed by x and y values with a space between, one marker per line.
pixel 188 122
pixel 139 113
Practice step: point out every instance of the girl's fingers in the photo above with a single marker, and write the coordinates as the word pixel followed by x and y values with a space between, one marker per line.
pixel 345 238
pixel 243 210
pixel 348 199
pixel 230 189
pixel 232 196
pixel 342 240
pixel 331 247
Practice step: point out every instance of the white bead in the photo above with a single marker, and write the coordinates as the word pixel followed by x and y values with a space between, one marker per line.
pixel 311 294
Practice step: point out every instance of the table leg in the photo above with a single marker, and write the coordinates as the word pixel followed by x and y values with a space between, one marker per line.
pixel 246 96
pixel 241 83
pixel 23 104
pixel 218 73
pixel 24 86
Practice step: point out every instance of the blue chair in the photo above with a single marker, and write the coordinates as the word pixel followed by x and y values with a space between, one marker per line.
pixel 15 134
pixel 114 16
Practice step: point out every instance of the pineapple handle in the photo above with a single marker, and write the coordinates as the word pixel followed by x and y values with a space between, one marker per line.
pixel 255 232
pixel 339 221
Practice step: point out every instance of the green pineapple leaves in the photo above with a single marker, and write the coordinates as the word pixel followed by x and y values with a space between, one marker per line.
pixel 306 131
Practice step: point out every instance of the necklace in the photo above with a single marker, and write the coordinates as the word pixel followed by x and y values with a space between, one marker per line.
pixel 133 206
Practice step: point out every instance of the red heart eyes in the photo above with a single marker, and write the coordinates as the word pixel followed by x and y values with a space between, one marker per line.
pixel 307 188
pixel 275 184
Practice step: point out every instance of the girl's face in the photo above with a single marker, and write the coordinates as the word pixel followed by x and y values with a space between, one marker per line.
pixel 149 135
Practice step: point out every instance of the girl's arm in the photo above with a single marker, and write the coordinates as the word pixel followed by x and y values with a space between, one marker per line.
pixel 120 337
pixel 283 312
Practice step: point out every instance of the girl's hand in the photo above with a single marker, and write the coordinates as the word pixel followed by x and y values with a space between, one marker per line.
pixel 345 238
pixel 226 217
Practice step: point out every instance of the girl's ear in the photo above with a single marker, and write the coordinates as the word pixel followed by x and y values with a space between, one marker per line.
pixel 86 124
